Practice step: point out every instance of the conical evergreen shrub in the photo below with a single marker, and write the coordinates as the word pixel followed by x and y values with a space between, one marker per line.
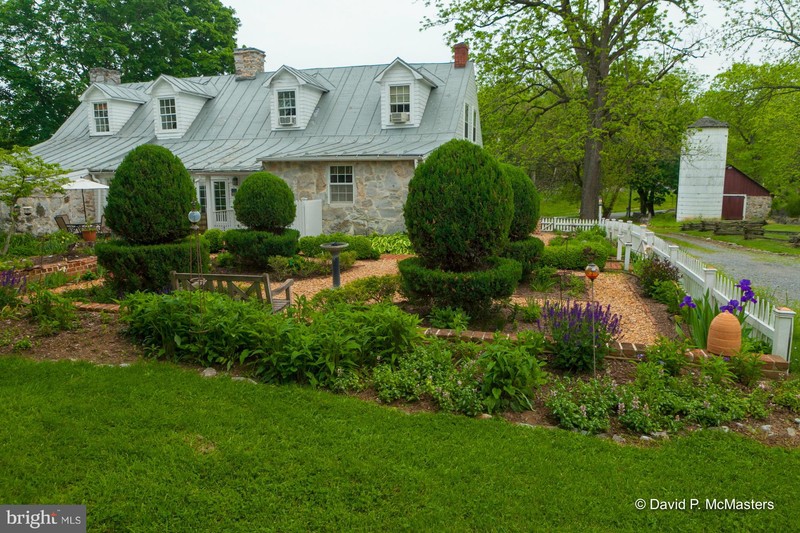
pixel 150 197
pixel 459 208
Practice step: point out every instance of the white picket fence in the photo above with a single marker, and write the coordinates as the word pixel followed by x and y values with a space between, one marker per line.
pixel 767 319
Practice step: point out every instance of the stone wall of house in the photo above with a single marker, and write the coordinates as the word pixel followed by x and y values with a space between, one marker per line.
pixel 381 188
pixel 758 207
pixel 38 212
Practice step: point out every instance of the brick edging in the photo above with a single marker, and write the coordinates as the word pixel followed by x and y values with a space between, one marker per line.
pixel 775 367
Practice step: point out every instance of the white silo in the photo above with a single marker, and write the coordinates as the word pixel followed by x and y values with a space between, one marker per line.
pixel 702 172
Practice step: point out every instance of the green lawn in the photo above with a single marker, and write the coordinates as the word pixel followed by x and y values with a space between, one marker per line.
pixel 153 447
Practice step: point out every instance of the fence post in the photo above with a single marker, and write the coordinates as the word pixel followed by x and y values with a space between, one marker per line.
pixel 619 249
pixel 673 253
pixel 650 238
pixel 710 281
pixel 628 246
pixel 784 329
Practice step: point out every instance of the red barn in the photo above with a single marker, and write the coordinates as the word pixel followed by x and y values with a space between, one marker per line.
pixel 743 198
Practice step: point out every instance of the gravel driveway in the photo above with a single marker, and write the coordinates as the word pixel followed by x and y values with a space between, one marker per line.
pixel 773 273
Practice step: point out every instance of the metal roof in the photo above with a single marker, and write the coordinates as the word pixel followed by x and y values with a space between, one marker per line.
pixel 233 129
pixel 117 92
pixel 708 122
pixel 301 77
pixel 185 86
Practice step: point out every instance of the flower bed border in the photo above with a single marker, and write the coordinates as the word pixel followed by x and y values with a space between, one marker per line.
pixel 775 367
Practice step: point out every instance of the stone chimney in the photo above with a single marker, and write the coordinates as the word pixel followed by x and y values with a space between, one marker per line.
pixel 249 62
pixel 104 75
pixel 460 55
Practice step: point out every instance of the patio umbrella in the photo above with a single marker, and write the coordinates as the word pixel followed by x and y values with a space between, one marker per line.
pixel 82 184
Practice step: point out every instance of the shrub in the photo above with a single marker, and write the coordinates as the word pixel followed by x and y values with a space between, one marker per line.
pixel 449 318
pixel 582 405
pixel 581 333
pixel 526 203
pixel 459 208
pixel 359 244
pixel 428 372
pixel 52 312
pixel 215 239
pixel 669 293
pixel 669 354
pixel 12 285
pixel 256 247
pixel 471 291
pixel 371 289
pixel 264 202
pixel 395 243
pixel 511 371
pixel 575 255
pixel 303 267
pixel 225 260
pixel 146 268
pixel 527 251
pixel 150 196
pixel 654 270
pixel 747 367
pixel 543 279
pixel 787 394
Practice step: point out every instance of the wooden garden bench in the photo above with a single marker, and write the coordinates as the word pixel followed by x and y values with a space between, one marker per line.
pixel 227 284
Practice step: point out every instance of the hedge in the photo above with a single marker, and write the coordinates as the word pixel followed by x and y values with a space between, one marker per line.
pixel 527 251
pixel 133 267
pixel 576 255
pixel 359 244
pixel 256 247
pixel 472 291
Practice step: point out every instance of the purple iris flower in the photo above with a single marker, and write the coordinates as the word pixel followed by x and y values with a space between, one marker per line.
pixel 687 302
pixel 732 306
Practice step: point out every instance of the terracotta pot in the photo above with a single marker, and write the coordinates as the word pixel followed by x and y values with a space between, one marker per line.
pixel 724 335
pixel 89 235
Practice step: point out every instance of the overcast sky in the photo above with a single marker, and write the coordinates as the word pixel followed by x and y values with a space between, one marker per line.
pixel 324 33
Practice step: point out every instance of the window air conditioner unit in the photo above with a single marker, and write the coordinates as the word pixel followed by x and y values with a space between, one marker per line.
pixel 399 118
pixel 286 121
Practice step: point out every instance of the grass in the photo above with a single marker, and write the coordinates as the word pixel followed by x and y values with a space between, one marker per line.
pixel 153 447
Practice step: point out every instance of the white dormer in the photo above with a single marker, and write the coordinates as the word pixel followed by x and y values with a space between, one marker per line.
pixel 293 97
pixel 110 107
pixel 404 94
pixel 176 103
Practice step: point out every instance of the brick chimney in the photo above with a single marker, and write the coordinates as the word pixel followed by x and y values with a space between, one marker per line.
pixel 249 62
pixel 460 55
pixel 104 75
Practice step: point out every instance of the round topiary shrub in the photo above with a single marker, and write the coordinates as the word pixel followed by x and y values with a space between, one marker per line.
pixel 459 207
pixel 150 196
pixel 526 203
pixel 472 291
pixel 256 247
pixel 264 202
pixel 528 252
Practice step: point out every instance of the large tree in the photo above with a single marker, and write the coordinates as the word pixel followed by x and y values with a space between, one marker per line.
pixel 536 41
pixel 48 46
pixel 774 24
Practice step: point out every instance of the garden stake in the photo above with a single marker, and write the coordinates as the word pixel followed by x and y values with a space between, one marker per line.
pixel 592 271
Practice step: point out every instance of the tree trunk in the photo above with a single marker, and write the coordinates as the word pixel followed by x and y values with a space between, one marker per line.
pixel 7 242
pixel 596 73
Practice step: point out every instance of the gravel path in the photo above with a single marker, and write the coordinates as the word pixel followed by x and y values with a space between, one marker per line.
pixel 777 274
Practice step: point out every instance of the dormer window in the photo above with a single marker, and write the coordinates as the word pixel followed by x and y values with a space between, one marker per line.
pixel 169 113
pixel 287 108
pixel 404 94
pixel 101 124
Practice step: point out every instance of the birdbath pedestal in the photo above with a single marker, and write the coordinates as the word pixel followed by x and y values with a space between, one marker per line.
pixel 335 248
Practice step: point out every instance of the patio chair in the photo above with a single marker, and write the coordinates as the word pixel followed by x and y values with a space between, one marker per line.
pixel 104 231
pixel 63 224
